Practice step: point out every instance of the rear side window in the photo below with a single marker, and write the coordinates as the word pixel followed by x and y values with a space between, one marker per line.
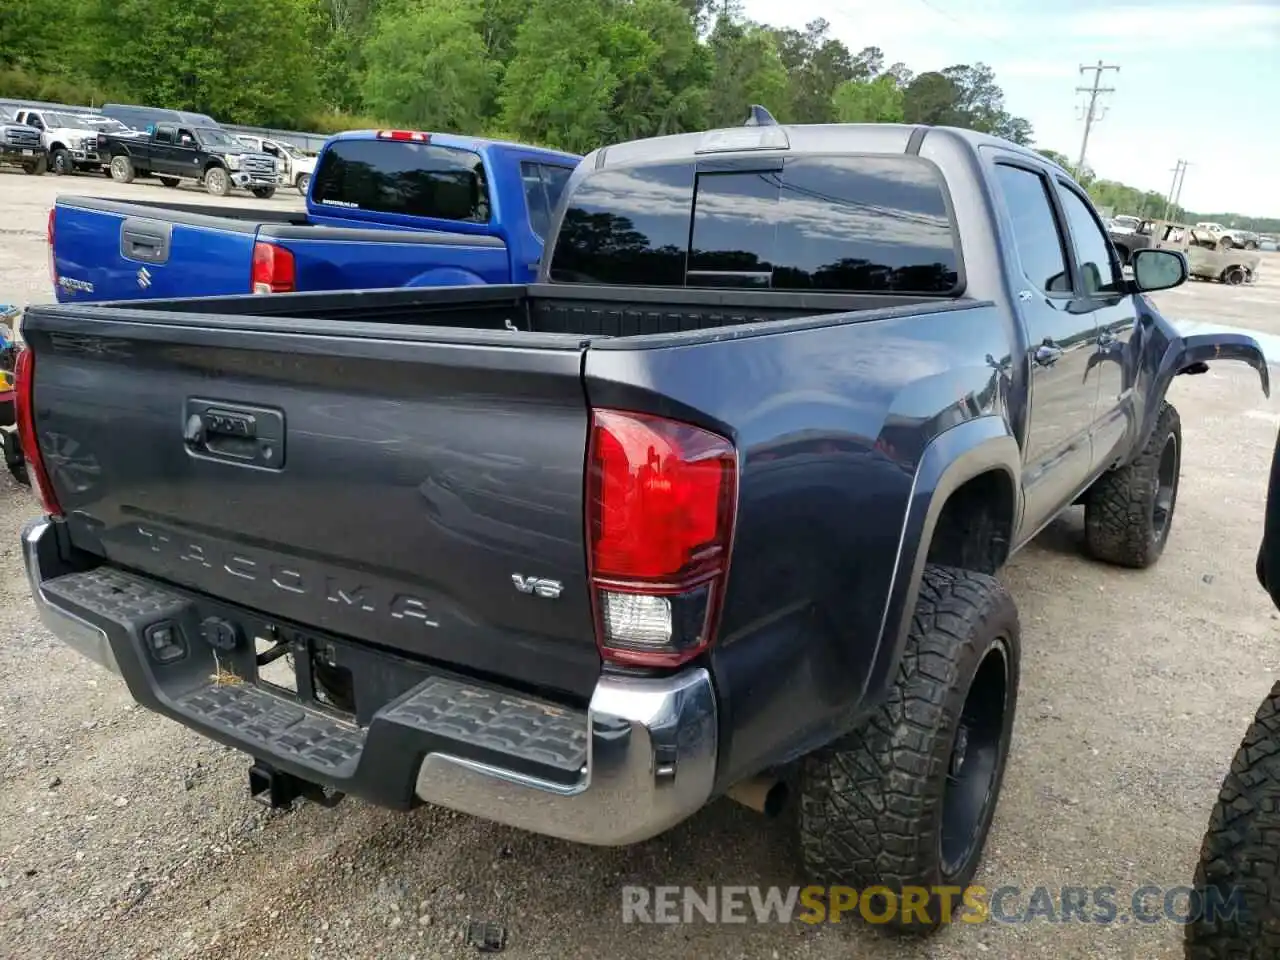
pixel 858 224
pixel 399 177
pixel 1035 228
pixel 627 226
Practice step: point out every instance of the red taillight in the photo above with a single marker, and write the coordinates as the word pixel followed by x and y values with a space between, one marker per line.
pixel 412 135
pixel 24 408
pixel 661 497
pixel 273 269
pixel 53 267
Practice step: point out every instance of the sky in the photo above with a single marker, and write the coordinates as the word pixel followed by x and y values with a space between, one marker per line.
pixel 1199 80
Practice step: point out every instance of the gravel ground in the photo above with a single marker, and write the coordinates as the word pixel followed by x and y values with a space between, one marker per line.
pixel 124 836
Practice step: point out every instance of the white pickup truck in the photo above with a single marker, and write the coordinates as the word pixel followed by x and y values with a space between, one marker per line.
pixel 1224 238
pixel 295 167
pixel 70 136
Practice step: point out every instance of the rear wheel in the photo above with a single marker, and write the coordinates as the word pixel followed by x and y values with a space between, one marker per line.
pixel 304 184
pixel 1225 243
pixel 1234 276
pixel 1128 512
pixel 217 182
pixel 122 169
pixel 906 801
pixel 1251 244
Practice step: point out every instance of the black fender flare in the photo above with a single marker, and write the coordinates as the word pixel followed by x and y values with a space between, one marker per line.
pixel 950 459
pixel 1189 354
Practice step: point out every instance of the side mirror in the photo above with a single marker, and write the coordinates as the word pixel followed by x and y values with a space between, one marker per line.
pixel 1158 270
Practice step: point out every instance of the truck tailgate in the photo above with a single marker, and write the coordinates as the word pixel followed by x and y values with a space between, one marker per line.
pixel 380 482
pixel 107 250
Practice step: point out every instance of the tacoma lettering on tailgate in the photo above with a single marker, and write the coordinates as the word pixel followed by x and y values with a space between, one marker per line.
pixel 334 587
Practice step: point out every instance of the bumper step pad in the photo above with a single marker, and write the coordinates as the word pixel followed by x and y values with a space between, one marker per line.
pixel 267 722
pixel 449 714
pixel 524 729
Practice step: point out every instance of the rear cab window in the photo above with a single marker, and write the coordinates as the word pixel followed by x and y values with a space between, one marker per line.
pixel 846 224
pixel 403 178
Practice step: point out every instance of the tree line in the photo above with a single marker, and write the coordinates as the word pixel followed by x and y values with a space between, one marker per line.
pixel 571 74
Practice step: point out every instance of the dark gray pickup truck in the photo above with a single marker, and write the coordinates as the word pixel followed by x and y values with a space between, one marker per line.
pixel 713 509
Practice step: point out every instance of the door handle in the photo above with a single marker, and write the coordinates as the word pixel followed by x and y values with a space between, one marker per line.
pixel 1048 353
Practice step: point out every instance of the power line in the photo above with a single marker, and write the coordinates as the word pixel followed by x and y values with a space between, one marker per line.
pixel 1091 114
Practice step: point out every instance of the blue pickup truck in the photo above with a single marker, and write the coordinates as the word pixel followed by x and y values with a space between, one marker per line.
pixel 387 208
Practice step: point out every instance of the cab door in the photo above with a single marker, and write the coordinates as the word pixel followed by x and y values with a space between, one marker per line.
pixel 1101 293
pixel 164 158
pixel 1057 446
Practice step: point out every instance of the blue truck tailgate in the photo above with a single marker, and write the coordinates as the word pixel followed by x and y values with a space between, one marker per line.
pixel 107 250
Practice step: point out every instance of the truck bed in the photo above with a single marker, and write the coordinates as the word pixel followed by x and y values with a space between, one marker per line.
pixel 580 310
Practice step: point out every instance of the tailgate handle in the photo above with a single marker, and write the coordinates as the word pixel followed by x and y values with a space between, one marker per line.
pixel 234 433
pixel 145 240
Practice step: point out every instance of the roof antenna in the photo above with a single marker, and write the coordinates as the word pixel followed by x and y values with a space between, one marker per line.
pixel 760 117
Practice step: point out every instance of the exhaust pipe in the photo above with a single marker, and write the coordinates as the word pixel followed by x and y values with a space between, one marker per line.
pixel 763 794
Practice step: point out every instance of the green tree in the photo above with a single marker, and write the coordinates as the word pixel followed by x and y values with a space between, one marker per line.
pixel 747 70
pixel 874 101
pixel 816 65
pixel 931 98
pixel 664 78
pixel 868 64
pixel 30 32
pixel 428 66
pixel 560 85
pixel 239 60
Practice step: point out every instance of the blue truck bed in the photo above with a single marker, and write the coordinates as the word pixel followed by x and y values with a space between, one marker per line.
pixel 386 209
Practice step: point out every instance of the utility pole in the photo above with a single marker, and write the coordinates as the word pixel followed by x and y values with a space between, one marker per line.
pixel 1177 195
pixel 1175 188
pixel 1091 114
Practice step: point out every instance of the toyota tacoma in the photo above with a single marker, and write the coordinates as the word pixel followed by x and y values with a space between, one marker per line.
pixel 714 508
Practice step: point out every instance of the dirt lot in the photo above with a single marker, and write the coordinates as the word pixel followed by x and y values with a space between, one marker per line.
pixel 122 835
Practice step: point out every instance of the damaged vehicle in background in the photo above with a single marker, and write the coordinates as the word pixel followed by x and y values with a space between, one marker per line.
pixel 294 166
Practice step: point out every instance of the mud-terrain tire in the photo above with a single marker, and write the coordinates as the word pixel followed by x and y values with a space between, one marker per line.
pixel 217 181
pixel 906 800
pixel 1128 512
pixel 1241 852
pixel 122 169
